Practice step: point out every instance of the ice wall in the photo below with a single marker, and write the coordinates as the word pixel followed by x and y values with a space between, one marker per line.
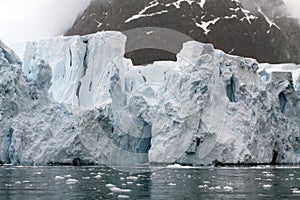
pixel 207 107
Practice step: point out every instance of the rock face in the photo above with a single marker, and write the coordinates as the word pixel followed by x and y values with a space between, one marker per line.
pixel 207 107
pixel 260 29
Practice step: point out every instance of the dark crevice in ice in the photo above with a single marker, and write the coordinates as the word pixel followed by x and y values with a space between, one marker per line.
pixel 274 158
pixel 231 90
pixel 282 102
pixel 71 58
pixel 85 65
pixel 7 145
pixel 195 144
pixel 134 144
pixel 78 89
pixel 90 86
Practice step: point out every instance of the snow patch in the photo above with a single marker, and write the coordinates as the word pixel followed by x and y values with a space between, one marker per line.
pixel 204 25
pixel 98 23
pixel 178 2
pixel 270 22
pixel 142 12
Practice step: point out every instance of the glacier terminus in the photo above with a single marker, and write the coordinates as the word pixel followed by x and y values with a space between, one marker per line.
pixel 77 100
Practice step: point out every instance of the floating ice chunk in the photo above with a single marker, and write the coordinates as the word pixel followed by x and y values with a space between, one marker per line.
pixel 177 166
pixel 119 190
pixel 172 184
pixel 121 196
pixel 257 167
pixel 134 178
pixel 264 172
pixel 228 189
pixel 26 181
pixel 58 178
pixel 109 185
pixel 267 186
pixel 98 176
pixel 269 175
pixel 71 181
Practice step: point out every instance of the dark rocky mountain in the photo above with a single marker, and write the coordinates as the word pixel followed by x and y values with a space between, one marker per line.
pixel 261 29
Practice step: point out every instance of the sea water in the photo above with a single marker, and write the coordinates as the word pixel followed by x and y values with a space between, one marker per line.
pixel 171 182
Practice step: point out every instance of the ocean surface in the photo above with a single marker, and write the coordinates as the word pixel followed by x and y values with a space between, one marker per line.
pixel 171 182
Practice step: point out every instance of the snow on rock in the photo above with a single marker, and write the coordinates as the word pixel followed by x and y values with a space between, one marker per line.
pixel 270 22
pixel 205 108
pixel 204 25
pixel 153 3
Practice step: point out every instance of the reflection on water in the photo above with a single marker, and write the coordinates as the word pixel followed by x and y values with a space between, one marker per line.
pixel 101 182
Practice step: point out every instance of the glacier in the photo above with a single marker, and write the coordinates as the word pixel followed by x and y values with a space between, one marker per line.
pixel 77 100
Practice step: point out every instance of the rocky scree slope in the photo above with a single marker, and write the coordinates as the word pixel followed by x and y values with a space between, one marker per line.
pixel 260 29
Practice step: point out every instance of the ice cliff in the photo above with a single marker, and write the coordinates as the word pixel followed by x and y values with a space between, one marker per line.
pixel 77 100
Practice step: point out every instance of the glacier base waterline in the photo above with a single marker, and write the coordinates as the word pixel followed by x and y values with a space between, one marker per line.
pixel 77 100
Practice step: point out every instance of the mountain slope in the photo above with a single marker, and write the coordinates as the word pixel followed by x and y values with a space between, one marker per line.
pixel 259 29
